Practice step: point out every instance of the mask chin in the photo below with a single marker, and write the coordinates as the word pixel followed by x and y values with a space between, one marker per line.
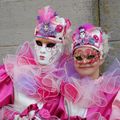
pixel 47 57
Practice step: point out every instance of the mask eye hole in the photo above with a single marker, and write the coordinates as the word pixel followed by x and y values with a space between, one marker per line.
pixel 90 57
pixel 79 58
pixel 60 38
pixel 39 43
pixel 50 45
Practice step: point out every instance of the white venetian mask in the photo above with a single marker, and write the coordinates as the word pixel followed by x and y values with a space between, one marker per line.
pixel 47 52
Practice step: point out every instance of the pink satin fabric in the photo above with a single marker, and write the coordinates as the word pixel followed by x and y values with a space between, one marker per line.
pixel 115 115
pixel 57 108
pixel 6 88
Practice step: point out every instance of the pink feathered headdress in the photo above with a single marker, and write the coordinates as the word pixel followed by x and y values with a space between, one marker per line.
pixel 89 35
pixel 51 26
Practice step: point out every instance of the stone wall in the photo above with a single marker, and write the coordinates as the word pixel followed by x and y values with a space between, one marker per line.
pixel 17 19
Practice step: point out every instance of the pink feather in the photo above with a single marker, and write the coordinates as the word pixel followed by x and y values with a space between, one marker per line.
pixel 46 14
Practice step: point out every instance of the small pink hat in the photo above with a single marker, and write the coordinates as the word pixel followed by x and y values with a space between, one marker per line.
pixel 51 26
pixel 89 35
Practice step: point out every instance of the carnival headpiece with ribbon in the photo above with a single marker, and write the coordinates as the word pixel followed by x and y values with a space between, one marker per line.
pixel 89 35
pixel 51 26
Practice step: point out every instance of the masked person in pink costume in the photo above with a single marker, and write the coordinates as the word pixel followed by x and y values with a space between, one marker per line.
pixel 88 92
pixel 37 66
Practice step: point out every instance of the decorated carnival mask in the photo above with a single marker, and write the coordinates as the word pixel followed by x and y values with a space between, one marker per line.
pixel 50 33
pixel 93 37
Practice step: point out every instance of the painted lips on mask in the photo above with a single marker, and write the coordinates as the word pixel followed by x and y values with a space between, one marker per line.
pixel 47 51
